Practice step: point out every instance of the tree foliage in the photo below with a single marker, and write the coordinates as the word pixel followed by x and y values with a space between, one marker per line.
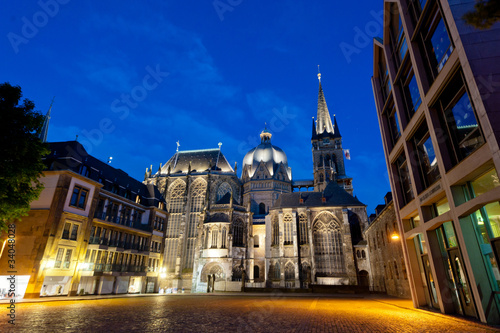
pixel 484 15
pixel 21 152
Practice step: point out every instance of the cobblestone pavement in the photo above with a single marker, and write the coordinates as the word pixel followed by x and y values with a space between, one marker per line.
pixel 241 313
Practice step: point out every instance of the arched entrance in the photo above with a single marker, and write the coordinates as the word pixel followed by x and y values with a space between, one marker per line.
pixel 364 280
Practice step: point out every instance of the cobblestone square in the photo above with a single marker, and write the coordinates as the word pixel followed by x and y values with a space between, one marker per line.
pixel 234 313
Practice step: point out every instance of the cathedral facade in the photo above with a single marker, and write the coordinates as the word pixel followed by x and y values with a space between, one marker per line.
pixel 226 232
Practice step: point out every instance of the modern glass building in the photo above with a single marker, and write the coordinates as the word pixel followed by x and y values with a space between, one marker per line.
pixel 436 83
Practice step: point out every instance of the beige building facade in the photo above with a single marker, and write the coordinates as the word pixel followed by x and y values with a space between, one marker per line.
pixel 433 82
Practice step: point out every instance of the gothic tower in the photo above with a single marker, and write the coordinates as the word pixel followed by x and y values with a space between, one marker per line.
pixel 328 155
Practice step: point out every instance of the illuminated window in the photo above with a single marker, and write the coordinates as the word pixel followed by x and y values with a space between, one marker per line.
pixel 67 258
pixel 328 251
pixel 60 253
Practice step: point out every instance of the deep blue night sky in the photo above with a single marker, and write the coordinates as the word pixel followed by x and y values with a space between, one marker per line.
pixel 131 79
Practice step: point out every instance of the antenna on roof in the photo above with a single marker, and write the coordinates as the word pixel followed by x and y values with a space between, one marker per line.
pixel 76 139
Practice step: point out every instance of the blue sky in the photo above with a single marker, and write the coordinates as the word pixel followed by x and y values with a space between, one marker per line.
pixel 131 79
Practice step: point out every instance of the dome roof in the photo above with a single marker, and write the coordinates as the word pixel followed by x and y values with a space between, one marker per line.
pixel 268 154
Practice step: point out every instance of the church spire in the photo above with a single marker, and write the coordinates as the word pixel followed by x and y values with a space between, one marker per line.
pixel 45 127
pixel 314 134
pixel 324 122
pixel 336 130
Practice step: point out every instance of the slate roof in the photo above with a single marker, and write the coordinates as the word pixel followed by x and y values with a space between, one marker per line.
pixel 201 161
pixel 334 194
pixel 226 199
pixel 71 155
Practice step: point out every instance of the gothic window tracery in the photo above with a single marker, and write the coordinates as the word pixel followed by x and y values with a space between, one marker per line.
pixel 303 228
pixel 197 191
pixel 238 232
pixel 289 271
pixel 223 189
pixel 175 206
pixel 328 251
pixel 275 231
pixel 287 226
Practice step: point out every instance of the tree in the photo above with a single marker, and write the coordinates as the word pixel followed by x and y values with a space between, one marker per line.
pixel 484 15
pixel 21 153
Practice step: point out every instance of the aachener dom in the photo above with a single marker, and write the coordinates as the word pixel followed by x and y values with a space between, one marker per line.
pixel 261 227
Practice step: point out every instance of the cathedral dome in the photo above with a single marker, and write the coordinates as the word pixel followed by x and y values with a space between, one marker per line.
pixel 270 155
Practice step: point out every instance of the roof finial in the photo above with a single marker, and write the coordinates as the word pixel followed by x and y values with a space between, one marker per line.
pixel 178 144
pixel 220 145
pixel 319 75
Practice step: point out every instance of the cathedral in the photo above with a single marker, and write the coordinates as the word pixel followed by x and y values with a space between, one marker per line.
pixel 260 230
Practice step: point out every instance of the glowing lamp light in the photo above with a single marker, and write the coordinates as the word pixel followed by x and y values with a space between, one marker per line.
pixel 83 266
pixel 50 264
pixel 395 236
pixel 163 275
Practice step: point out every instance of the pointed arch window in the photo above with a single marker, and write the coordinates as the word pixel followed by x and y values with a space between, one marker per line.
pixel 215 235
pixel 287 226
pixel 275 231
pixel 289 271
pixel 223 238
pixel 223 189
pixel 238 233
pixel 303 228
pixel 328 250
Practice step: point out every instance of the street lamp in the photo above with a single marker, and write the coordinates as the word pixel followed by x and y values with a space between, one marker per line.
pixel 395 236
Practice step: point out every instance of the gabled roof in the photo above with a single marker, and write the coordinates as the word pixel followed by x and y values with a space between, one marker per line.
pixel 201 161
pixel 334 196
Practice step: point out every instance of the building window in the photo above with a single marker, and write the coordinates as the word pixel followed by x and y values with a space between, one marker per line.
pixel 484 183
pixel 435 42
pixel 411 93
pixel 289 271
pixel 67 259
pixel 74 232
pixel 303 229
pixel 415 8
pixel 256 241
pixel 287 226
pixel 215 236
pixel 223 238
pixel 459 125
pixel 223 189
pixel 425 157
pixel 256 272
pixel 262 208
pixel 79 197
pixel 275 231
pixel 60 253
pixel 404 179
pixel 328 251
pixel 396 270
pixel 238 233
pixel 391 115
pixel 67 228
